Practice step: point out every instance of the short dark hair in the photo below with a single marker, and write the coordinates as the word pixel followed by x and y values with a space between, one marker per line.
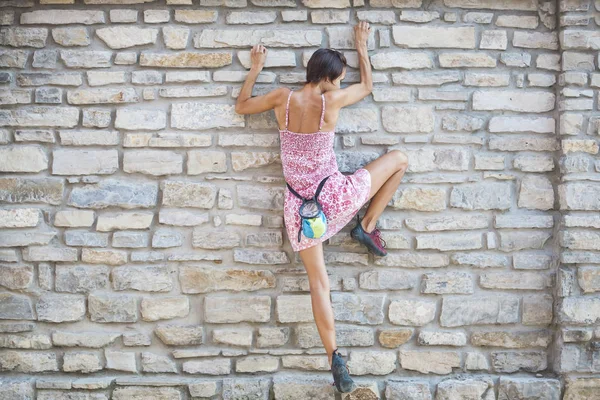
pixel 325 64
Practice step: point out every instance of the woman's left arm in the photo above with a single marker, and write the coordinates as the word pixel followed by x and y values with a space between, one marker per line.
pixel 246 104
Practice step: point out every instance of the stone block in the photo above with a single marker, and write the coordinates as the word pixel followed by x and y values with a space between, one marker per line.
pixel 434 37
pixel 112 308
pixel 219 309
pixel 84 162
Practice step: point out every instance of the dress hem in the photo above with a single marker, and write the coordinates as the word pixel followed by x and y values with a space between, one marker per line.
pixel 330 233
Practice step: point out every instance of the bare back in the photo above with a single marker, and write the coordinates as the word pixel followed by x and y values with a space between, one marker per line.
pixel 305 113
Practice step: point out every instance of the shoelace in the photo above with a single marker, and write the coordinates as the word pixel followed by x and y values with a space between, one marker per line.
pixel 377 233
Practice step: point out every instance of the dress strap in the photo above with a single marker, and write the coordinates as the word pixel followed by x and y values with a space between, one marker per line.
pixel 322 112
pixel 287 109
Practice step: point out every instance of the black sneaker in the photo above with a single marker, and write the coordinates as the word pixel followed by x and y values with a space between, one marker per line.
pixel 341 376
pixel 373 240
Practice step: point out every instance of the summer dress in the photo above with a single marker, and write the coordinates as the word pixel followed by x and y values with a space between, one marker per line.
pixel 307 158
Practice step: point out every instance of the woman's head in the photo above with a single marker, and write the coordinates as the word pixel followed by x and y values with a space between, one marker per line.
pixel 326 65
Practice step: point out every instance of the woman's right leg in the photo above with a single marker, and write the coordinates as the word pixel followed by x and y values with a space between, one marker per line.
pixel 314 263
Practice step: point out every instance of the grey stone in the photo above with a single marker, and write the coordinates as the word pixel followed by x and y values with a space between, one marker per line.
pixel 85 162
pixel 81 362
pixel 312 387
pixel 188 194
pixel 93 340
pixel 21 389
pixel 210 38
pixel 14 306
pixel 251 389
pixel 198 279
pixel 85 58
pixel 542 388
pixel 531 101
pixel 202 116
pixel 437 362
pixel 411 312
pixel 61 16
pixel 385 280
pixel 164 238
pixel 157 364
pixel 579 196
pixel 121 37
pixel 86 239
pixel 47 78
pixel 120 361
pixel 536 192
pixel 519 240
pixel 49 253
pixel 48 95
pixel 361 309
pixel 28 361
pixel 23 37
pixel 408 119
pixel 118 193
pixel 33 116
pixel 508 362
pixel 481 310
pixel 10 239
pixel 154 309
pixel 102 96
pixel 129 239
pixel 81 278
pixel 60 308
pixel 446 283
pixel 112 308
pixel 179 335
pixel 220 366
pixel 481 196
pixel 129 220
pixel 142 278
pixel 233 310
pixel 16 276
pixel 438 37
pixel 13 58
pixel 396 390
pixel 307 335
pixel 146 392
pixel 136 119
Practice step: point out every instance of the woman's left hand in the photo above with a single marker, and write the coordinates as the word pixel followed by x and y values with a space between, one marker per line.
pixel 258 55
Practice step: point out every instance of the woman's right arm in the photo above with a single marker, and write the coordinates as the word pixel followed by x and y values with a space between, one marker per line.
pixel 354 93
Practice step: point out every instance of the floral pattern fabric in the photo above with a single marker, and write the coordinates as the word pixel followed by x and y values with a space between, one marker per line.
pixel 307 158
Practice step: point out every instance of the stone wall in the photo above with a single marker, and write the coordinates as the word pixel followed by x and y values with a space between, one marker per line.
pixel 142 247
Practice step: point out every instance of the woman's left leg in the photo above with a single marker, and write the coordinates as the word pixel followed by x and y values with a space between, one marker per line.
pixel 314 263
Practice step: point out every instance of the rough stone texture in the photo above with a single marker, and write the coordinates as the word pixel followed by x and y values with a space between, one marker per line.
pixel 139 211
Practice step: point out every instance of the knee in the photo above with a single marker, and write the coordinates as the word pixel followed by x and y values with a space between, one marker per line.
pixel 319 285
pixel 401 160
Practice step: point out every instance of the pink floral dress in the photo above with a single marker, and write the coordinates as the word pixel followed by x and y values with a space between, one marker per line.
pixel 307 158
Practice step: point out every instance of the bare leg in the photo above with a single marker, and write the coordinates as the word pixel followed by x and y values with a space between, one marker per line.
pixel 314 263
pixel 386 173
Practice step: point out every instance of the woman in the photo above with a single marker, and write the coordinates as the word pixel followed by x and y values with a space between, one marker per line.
pixel 307 119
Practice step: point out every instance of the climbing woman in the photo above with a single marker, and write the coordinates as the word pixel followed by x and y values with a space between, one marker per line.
pixel 319 200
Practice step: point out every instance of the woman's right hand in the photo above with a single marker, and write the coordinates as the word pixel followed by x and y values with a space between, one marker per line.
pixel 361 34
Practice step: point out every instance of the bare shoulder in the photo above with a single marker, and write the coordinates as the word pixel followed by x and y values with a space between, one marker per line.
pixel 334 98
pixel 281 93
